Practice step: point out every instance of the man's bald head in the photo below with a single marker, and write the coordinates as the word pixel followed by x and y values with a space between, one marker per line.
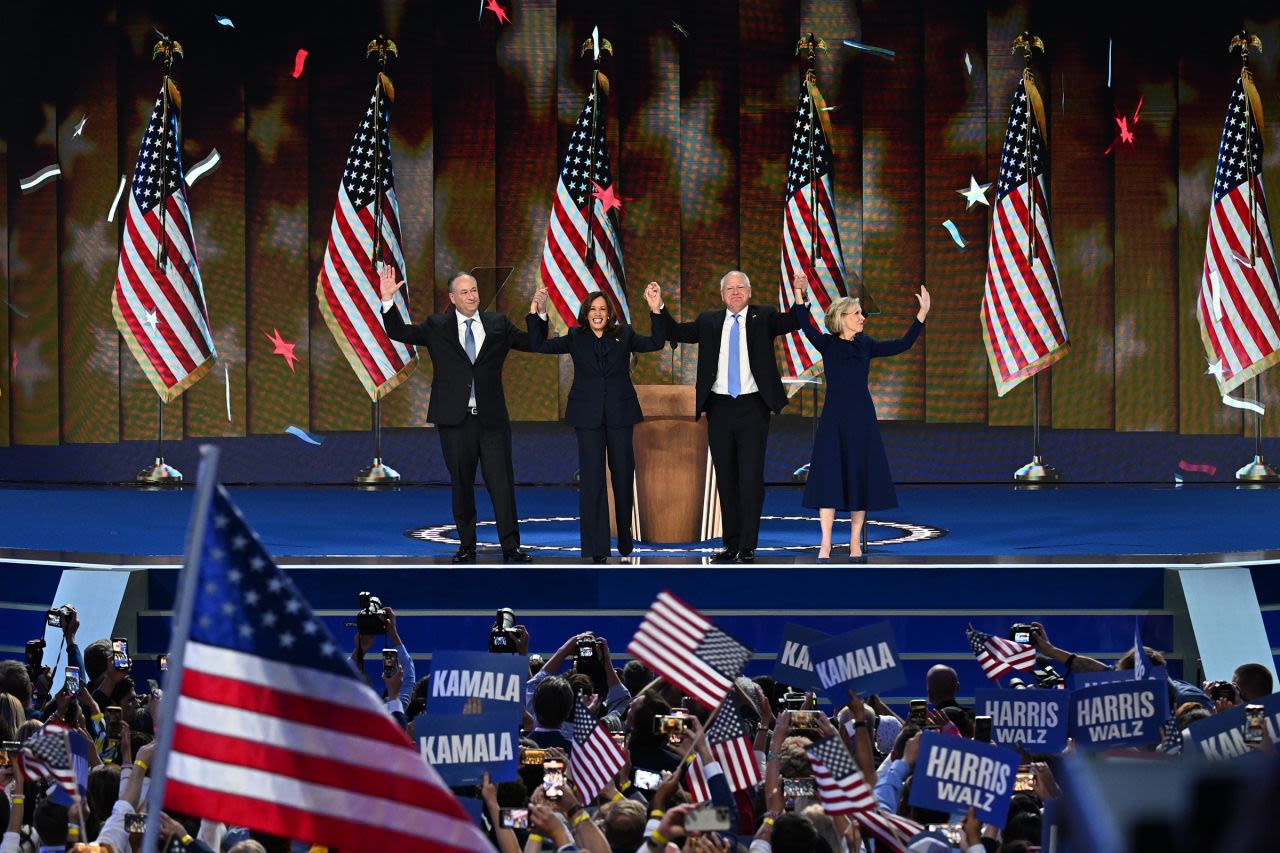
pixel 942 684
pixel 464 293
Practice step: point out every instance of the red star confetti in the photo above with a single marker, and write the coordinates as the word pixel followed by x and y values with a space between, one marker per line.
pixel 492 6
pixel 299 60
pixel 607 197
pixel 282 348
pixel 1126 133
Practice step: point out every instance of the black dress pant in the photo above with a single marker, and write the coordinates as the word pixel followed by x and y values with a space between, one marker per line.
pixel 465 444
pixel 594 447
pixel 737 432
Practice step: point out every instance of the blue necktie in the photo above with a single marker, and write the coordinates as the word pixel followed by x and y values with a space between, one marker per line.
pixel 471 352
pixel 735 356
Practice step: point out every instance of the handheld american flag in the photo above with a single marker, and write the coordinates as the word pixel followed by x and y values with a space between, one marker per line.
pixel 680 645
pixel 51 754
pixel 1238 309
pixel 273 728
pixel 347 287
pixel 1022 322
pixel 595 758
pixel 569 271
pixel 158 302
pixel 730 740
pixel 843 790
pixel 810 232
pixel 997 656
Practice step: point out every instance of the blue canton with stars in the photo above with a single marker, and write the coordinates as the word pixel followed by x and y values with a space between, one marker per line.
pixel 1236 160
pixel 799 165
pixel 150 181
pixel 358 177
pixel 728 724
pixel 244 602
pixel 577 173
pixel 1013 157
pixel 583 723
pixel 835 756
pixel 723 653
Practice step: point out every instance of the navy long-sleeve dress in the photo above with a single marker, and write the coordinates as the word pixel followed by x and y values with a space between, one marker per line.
pixel 849 469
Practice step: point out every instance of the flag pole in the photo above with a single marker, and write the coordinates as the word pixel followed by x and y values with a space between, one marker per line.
pixel 592 44
pixel 1256 471
pixel 1035 471
pixel 184 603
pixel 379 473
pixel 167 49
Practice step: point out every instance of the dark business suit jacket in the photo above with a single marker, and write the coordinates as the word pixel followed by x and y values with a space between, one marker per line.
pixel 453 372
pixel 763 324
pixel 602 392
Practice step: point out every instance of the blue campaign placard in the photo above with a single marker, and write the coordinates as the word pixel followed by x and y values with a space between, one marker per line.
pixel 953 774
pixel 795 658
pixel 1221 737
pixel 1081 680
pixel 476 681
pixel 1122 713
pixel 1035 719
pixel 462 747
pixel 865 660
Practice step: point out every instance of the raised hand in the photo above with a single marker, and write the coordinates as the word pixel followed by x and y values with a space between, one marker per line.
pixel 653 296
pixel 387 284
pixel 539 303
pixel 925 301
pixel 800 287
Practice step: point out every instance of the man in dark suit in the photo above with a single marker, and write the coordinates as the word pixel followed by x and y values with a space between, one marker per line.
pixel 739 388
pixel 468 405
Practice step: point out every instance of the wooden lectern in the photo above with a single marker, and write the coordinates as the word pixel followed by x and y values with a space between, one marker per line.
pixel 676 498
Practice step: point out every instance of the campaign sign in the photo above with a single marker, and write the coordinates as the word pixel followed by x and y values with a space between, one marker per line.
pixel 864 660
pixel 1221 736
pixel 795 661
pixel 1081 680
pixel 463 747
pixel 476 681
pixel 1123 713
pixel 953 774
pixel 1034 719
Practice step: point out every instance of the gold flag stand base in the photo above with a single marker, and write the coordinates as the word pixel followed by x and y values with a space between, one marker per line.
pixel 160 474
pixel 1258 472
pixel 378 474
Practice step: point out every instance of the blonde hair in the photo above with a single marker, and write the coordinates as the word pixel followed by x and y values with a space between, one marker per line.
pixel 835 314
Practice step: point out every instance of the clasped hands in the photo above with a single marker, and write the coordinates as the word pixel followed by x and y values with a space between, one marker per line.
pixel 652 296
pixel 800 288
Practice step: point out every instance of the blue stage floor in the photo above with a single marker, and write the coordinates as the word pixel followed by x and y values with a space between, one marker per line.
pixel 963 521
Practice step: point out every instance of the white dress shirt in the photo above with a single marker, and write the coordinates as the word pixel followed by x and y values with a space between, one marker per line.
pixel 721 385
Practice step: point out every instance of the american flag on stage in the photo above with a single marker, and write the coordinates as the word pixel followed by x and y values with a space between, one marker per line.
pixel 998 656
pixel 159 308
pixel 843 790
pixel 680 645
pixel 1238 309
pixel 51 754
pixel 273 727
pixel 347 288
pixel 595 757
pixel 810 208
pixel 566 273
pixel 1022 323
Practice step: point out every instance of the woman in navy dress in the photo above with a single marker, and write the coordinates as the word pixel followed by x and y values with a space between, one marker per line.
pixel 849 471
pixel 603 408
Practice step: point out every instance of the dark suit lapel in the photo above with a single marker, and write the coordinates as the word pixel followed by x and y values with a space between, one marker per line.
pixel 712 344
pixel 492 328
pixel 452 332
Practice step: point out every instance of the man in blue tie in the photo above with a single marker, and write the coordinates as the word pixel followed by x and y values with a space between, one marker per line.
pixel 739 388
pixel 468 406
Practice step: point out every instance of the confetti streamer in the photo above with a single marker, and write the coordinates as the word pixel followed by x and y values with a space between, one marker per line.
pixel 204 167
pixel 681 30
pixel 1109 42
pixel 111 214
pixel 955 233
pixel 1198 467
pixel 224 20
pixel 33 182
pixel 968 63
pixel 1249 405
pixel 1215 294
pixel 302 434
pixel 226 379
pixel 878 51
pixel 15 309
pixel 80 125
pixel 299 60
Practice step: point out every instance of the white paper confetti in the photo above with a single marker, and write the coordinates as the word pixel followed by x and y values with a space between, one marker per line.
pixel 224 20
pixel 80 125
pixel 878 51
pixel 226 380
pixel 204 167
pixel 1249 405
pixel 955 233
pixel 33 182
pixel 302 434
pixel 1215 294
pixel 111 214
pixel 975 194
pixel 1109 43
pixel 1215 369
pixel 968 63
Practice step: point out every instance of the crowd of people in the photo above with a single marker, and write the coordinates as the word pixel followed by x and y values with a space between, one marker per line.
pixel 647 808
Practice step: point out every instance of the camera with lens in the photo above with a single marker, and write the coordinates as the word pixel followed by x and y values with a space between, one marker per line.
pixel 503 636
pixel 371 618
pixel 1048 677
pixel 586 648
pixel 55 616
pixel 1022 633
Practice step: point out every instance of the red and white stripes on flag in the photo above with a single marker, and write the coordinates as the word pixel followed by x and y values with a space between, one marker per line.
pixel 680 645
pixel 730 738
pixel 347 287
pixel 158 303
pixel 843 790
pixel 695 782
pixel 997 656
pixel 1238 309
pixel 595 758
pixel 569 271
pixel 1022 322
pixel 810 232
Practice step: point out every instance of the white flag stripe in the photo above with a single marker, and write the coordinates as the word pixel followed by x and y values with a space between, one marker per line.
pixel 285 678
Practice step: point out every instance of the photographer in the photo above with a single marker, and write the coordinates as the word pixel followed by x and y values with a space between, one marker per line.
pixel 591 654
pixel 372 621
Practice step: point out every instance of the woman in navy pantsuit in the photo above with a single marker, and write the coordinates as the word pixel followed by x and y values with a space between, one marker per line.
pixel 849 471
pixel 603 408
